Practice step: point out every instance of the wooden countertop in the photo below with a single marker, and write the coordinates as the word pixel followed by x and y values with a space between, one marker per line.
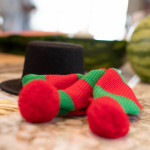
pixel 64 133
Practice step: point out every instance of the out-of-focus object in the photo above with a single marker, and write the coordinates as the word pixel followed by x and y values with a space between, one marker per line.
pixel 129 75
pixel 83 34
pixel 16 14
pixel 138 6
pixel 7 107
pixel 138 49
pixel 137 10
pixel 97 54
pixel 30 33
pixel 133 81
pixel 1 23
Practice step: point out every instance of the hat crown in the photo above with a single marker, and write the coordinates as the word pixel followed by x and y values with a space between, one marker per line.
pixel 43 57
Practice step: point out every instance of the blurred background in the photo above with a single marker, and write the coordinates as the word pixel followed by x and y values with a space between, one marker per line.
pixel 98 19
pixel 102 27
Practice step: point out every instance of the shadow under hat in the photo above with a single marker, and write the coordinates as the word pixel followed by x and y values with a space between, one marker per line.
pixel 43 57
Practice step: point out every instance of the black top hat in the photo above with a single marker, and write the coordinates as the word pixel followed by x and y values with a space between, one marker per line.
pixel 44 57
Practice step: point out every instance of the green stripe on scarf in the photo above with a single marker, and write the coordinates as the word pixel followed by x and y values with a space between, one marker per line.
pixel 28 78
pixel 93 76
pixel 128 105
pixel 80 76
pixel 66 103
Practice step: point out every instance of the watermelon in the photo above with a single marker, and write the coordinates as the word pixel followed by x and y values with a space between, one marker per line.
pixel 138 49
pixel 97 54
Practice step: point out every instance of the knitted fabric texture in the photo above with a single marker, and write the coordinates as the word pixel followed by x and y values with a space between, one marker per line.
pixel 59 81
pixel 112 84
pixel 76 96
pixel 107 118
pixel 106 93
pixel 38 102
pixel 71 92
pixel 112 100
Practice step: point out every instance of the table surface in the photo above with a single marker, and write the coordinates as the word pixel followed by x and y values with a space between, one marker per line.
pixel 63 133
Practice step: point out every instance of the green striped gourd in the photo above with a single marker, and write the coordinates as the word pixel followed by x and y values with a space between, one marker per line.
pixel 138 49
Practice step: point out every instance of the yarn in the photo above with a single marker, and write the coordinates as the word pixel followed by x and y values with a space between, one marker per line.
pixel 104 92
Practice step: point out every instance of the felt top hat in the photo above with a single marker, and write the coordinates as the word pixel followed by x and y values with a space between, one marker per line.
pixel 43 57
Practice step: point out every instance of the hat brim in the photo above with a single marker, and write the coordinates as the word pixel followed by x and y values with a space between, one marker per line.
pixel 11 86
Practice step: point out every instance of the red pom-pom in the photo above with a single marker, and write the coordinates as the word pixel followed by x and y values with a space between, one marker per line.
pixel 107 118
pixel 38 101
